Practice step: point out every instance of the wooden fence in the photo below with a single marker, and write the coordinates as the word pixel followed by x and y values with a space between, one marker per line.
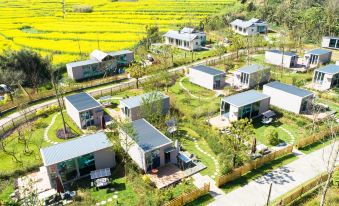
pixel 300 190
pixel 189 197
pixel 315 137
pixel 238 172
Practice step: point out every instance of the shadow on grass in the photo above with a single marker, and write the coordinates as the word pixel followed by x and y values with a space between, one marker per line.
pixel 201 201
pixel 316 145
pixel 266 168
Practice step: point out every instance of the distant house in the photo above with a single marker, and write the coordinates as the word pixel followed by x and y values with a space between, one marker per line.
pixel 288 97
pixel 252 75
pixel 130 107
pixel 84 110
pixel 330 42
pixel 317 57
pixel 99 64
pixel 326 77
pixel 277 57
pixel 207 77
pixel 250 27
pixel 188 39
pixel 247 104
pixel 150 148
pixel 76 158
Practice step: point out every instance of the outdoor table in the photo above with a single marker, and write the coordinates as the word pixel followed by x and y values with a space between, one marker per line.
pixel 101 182
pixel 154 171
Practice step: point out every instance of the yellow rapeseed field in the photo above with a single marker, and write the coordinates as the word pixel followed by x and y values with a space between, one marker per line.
pixel 112 25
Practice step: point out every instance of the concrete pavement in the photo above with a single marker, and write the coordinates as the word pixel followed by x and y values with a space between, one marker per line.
pixel 284 179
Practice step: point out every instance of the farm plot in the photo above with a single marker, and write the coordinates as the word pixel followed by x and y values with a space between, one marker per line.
pixel 41 25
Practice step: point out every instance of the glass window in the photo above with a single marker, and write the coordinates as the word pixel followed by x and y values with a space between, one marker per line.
pixel 255 109
pixel 225 107
pixel 86 164
pixel 332 43
pixel 67 170
pixel 245 111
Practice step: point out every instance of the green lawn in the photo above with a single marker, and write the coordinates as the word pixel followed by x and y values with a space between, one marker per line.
pixel 189 145
pixel 13 145
pixel 201 201
pixel 316 145
pixel 197 90
pixel 59 125
pixel 256 173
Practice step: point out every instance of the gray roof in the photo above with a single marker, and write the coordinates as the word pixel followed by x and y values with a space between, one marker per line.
pixel 318 51
pixel 136 101
pixel 208 70
pixel 187 30
pixel 99 55
pixel 331 37
pixel 289 89
pixel 182 36
pixel 82 101
pixel 245 98
pixel 148 137
pixel 252 68
pixel 329 69
pixel 82 63
pixel 285 53
pixel 241 23
pixel 117 53
pixel 74 148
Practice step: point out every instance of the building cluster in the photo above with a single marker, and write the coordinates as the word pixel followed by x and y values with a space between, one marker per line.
pixel 148 147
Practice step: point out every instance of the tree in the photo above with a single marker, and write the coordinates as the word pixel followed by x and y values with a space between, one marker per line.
pixel 219 50
pixel 271 134
pixel 236 144
pixel 237 44
pixel 152 35
pixel 151 108
pixel 136 71
pixel 11 78
pixel 33 65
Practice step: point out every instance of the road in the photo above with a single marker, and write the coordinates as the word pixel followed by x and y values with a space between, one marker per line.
pixel 284 179
pixel 14 115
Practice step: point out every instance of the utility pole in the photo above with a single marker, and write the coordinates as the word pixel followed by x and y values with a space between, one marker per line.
pixel 269 195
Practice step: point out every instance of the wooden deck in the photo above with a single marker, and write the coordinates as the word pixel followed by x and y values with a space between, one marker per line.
pixel 167 175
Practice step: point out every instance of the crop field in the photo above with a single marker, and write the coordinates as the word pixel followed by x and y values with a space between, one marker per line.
pixel 112 25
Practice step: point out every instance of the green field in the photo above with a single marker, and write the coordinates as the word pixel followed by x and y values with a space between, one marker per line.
pixel 111 25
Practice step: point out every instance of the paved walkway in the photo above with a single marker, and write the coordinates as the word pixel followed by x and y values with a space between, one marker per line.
pixel 46 138
pixel 284 179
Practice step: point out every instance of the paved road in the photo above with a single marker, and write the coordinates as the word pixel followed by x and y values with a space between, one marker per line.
pixel 284 179
pixel 8 118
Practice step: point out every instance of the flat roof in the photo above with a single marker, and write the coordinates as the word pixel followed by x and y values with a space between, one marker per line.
pixel 74 148
pixel 318 51
pixel 289 89
pixel 252 68
pixel 117 53
pixel 331 37
pixel 329 69
pixel 82 101
pixel 245 98
pixel 82 63
pixel 137 100
pixel 182 36
pixel 208 70
pixel 148 137
pixel 285 52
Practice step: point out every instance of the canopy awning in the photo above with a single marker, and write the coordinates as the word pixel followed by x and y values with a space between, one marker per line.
pixel 100 173
pixel 184 158
pixel 269 114
pixel 169 149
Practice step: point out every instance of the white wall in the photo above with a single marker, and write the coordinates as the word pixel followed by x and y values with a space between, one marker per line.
pixel 104 158
pixel 202 79
pixel 275 59
pixel 326 84
pixel 72 112
pixel 283 100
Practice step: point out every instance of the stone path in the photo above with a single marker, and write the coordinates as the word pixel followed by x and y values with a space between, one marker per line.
pixel 216 163
pixel 46 138
pixel 109 200
pixel 289 133
pixel 192 95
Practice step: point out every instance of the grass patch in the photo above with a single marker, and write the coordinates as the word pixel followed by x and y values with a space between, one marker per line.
pixel 266 168
pixel 312 198
pixel 59 125
pixel 197 90
pixel 316 145
pixel 201 201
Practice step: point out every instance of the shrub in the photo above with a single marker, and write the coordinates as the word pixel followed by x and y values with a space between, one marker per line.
pixel 47 111
pixel 336 178
pixel 272 136
pixel 83 9
pixel 40 123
